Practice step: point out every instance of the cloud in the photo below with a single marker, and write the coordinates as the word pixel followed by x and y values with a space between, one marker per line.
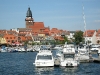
pixel 97 21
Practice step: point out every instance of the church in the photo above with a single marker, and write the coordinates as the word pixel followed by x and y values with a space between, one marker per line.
pixel 37 27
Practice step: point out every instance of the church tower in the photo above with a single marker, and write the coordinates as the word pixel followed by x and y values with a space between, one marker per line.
pixel 29 20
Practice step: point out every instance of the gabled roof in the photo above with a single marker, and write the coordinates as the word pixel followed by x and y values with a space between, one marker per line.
pixel 58 38
pixel 89 33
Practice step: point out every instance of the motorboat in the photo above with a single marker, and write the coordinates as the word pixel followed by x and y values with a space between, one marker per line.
pixel 83 54
pixel 95 48
pixel 3 50
pixel 57 47
pixel 21 49
pixel 68 57
pixel 99 50
pixel 44 58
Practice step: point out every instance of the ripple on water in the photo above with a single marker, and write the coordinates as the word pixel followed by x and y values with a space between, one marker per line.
pixel 22 64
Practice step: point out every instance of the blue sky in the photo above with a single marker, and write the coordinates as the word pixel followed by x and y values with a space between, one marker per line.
pixel 61 14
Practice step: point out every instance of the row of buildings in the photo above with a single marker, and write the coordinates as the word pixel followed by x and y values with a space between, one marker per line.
pixel 37 32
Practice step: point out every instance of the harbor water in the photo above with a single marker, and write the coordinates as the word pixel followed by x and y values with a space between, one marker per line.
pixel 22 64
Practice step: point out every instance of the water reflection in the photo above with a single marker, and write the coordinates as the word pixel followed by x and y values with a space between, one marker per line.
pixel 69 69
pixel 44 70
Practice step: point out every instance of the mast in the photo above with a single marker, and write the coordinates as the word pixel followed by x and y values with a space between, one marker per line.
pixel 85 26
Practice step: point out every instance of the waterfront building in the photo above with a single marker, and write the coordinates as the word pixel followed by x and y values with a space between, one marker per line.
pixel 98 36
pixel 9 36
pixel 2 40
pixel 90 36
pixel 37 27
pixel 71 34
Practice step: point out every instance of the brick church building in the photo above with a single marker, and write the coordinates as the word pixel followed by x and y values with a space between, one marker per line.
pixel 37 27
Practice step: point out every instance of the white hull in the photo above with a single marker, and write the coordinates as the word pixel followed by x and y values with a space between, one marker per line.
pixel 44 63
pixel 44 59
pixel 69 63
pixel 68 57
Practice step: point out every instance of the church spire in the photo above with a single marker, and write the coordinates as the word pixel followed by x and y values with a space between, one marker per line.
pixel 29 20
pixel 29 13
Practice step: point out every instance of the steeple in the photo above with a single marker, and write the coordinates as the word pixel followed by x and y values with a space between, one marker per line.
pixel 29 20
pixel 29 13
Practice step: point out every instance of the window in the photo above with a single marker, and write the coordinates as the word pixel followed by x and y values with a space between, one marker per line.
pixel 46 57
pixel 68 55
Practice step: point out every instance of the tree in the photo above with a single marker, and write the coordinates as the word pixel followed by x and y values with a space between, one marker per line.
pixel 78 37
pixel 26 42
pixel 65 40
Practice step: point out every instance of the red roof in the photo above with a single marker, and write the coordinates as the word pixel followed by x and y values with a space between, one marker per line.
pixel 89 33
pixel 37 26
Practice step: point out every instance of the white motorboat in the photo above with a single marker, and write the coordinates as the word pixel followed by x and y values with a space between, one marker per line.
pixel 3 50
pixel 83 54
pixel 44 58
pixel 57 47
pixel 68 57
pixel 21 49
pixel 99 50
pixel 95 48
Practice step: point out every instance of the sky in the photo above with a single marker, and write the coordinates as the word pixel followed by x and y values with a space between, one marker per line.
pixel 61 14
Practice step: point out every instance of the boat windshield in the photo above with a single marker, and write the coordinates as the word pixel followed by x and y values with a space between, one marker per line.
pixel 68 55
pixel 42 57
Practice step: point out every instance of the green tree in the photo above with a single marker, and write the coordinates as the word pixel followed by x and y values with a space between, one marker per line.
pixel 26 42
pixel 78 37
pixel 65 40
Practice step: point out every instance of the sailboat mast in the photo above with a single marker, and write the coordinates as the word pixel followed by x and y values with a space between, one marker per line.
pixel 85 26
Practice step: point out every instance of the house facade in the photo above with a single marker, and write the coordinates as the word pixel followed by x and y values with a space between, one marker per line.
pixel 90 37
pixel 98 36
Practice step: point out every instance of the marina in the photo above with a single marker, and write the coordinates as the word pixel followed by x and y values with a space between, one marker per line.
pixel 19 63
pixel 82 54
pixel 47 37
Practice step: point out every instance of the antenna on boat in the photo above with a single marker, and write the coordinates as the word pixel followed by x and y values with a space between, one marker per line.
pixel 84 25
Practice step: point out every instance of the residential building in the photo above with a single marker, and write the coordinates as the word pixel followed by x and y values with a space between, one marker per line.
pixel 90 36
pixel 98 36
pixel 2 40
